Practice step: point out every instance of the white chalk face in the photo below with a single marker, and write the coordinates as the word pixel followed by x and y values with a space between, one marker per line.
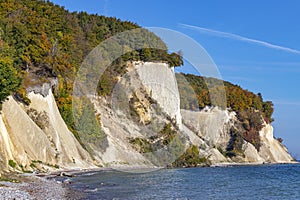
pixel 141 123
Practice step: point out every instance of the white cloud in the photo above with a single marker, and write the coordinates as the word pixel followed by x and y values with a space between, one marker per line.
pixel 240 38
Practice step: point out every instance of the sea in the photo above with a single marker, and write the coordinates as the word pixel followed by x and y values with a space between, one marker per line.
pixel 280 181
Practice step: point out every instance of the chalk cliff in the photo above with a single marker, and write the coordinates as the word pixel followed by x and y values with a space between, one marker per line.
pixel 143 124
pixel 160 80
pixel 272 150
pixel 208 129
pixel 35 137
pixel 213 126
pixel 142 103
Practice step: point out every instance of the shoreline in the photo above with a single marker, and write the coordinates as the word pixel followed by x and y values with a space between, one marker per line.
pixel 227 164
pixel 32 187
pixel 46 185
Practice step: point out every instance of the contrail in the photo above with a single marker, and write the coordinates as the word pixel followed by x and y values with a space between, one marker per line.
pixel 240 38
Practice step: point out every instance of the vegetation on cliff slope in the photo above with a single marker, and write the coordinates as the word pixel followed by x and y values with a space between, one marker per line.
pixel 40 41
pixel 163 148
pixel 9 78
pixel 237 99
pixel 191 158
pixel 9 81
pixel 250 108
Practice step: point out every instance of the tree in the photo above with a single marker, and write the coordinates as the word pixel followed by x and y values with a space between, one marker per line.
pixel 89 128
pixel 9 80
pixel 280 140
pixel 268 110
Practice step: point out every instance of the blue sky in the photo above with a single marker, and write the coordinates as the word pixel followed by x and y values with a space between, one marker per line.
pixel 255 44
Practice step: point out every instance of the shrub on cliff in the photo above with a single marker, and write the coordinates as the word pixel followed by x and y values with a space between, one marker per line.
pixel 250 108
pixel 9 77
pixel 88 129
pixel 163 148
pixel 190 158
pixel 237 98
pixel 9 81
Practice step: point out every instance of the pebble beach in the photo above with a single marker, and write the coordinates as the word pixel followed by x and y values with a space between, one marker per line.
pixel 33 187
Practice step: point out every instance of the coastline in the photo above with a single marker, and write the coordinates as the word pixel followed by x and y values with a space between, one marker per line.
pixel 42 185
pixel 31 187
pixel 228 164
pixel 47 186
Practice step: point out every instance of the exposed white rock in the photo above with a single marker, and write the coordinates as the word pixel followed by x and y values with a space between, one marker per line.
pixel 212 125
pixel 70 152
pixel 193 138
pixel 156 80
pixel 161 83
pixel 217 158
pixel 271 149
pixel 28 141
pixel 143 79
pixel 24 142
pixel 250 154
pixel 119 152
pixel 6 145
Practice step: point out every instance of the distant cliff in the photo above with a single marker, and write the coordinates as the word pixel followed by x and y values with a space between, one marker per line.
pixel 214 127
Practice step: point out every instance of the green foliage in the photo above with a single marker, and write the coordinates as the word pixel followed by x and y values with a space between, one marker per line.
pixel 237 98
pixel 43 41
pixel 168 134
pixel 7 178
pixel 89 128
pixel 190 158
pixel 247 128
pixel 268 111
pixel 195 95
pixel 250 125
pixel 162 148
pixel 235 144
pixel 54 166
pixel 174 59
pixel 34 164
pixel 12 163
pixel 250 108
pixel 118 67
pixel 37 161
pixel 9 81
pixel 141 145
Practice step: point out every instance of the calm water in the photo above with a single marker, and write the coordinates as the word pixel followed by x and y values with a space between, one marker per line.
pixel 239 182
